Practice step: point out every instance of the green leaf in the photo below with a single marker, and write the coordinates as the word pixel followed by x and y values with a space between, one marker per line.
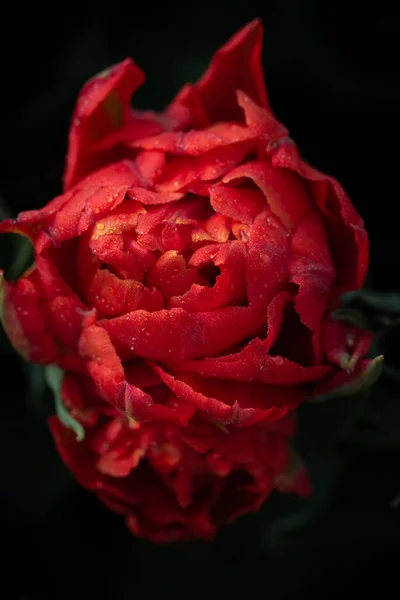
pixel 375 311
pixel 16 255
pixel 379 302
pixel 39 397
pixel 352 316
pixel 54 377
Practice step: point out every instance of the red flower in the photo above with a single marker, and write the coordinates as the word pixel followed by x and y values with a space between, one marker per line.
pixel 189 269
pixel 196 246
pixel 172 482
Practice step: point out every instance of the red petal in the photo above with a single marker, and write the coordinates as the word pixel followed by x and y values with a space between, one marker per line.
pixel 75 211
pixel 65 311
pixel 104 364
pixel 260 120
pixel 150 164
pixel 148 197
pixel 116 145
pixel 101 109
pixel 348 240
pixel 184 171
pixel 186 110
pixel 141 374
pixel 240 204
pixel 312 270
pixel 112 296
pixel 254 362
pixel 286 196
pixel 229 287
pixel 267 261
pixel 237 65
pixel 218 227
pixel 241 404
pixel 105 367
pixel 23 319
pixel 196 142
pixel 83 400
pixel 108 374
pixel 171 276
pixel 174 335
pixel 14 226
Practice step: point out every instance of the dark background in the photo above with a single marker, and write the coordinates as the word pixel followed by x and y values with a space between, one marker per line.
pixel 332 73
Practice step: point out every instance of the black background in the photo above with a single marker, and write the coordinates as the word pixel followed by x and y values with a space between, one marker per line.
pixel 332 73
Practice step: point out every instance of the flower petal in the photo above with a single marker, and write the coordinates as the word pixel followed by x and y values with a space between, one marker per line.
pixel 75 211
pixel 182 172
pixel 267 261
pixel 197 142
pixel 241 204
pixel 229 287
pixel 348 240
pixel 112 296
pixel 101 109
pixel 260 120
pixel 254 363
pixel 312 270
pixel 236 65
pixel 106 369
pixel 236 403
pixel 171 275
pixel 176 334
pixel 24 321
pixel 286 196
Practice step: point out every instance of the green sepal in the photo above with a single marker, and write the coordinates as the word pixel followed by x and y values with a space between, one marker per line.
pixel 360 384
pixel 54 377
